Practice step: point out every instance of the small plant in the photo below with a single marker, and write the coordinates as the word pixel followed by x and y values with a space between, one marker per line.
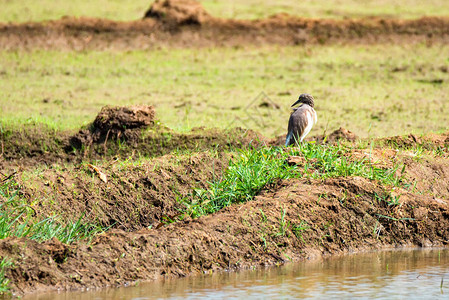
pixel 299 229
pixel 390 199
pixel 264 217
pixel 4 282
pixel 283 225
pixel 244 178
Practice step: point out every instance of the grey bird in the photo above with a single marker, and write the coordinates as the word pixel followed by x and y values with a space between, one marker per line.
pixel 301 120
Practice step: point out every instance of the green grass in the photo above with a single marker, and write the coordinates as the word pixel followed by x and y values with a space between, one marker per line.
pixel 253 9
pixel 377 90
pixel 27 10
pixel 5 263
pixel 16 219
pixel 255 169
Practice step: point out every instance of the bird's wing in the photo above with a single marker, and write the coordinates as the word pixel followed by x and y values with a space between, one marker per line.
pixel 297 123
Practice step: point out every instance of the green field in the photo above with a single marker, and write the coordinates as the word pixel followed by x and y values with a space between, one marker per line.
pixel 27 10
pixel 377 90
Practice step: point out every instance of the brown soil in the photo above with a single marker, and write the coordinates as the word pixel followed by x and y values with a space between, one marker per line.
pixel 134 197
pixel 429 141
pixel 115 123
pixel 178 12
pixel 321 218
pixel 181 25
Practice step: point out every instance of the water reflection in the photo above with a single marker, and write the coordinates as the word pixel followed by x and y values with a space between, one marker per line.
pixel 380 275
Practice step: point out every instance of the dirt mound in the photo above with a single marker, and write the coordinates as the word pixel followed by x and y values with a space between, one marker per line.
pixel 118 119
pixel 125 132
pixel 183 31
pixel 291 221
pixel 134 197
pixel 335 136
pixel 179 12
pixel 430 141
pixel 115 122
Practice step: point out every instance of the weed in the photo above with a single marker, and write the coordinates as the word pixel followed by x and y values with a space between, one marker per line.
pixel 283 225
pixel 4 282
pixel 264 240
pixel 244 178
pixel 299 229
pixel 264 217
pixel 390 199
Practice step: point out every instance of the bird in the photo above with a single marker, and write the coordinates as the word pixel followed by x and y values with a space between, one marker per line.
pixel 301 120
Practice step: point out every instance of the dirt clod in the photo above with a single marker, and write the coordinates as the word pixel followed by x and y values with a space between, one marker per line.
pixel 339 134
pixel 119 118
pixel 178 12
pixel 114 122
pixel 296 160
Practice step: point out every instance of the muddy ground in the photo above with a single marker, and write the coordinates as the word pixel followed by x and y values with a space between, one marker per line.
pixel 180 27
pixel 289 220
pixel 113 134
pixel 320 218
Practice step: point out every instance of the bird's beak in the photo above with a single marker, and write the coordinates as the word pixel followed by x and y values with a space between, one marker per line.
pixel 298 101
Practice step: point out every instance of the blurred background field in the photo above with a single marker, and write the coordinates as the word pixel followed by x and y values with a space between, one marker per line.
pixel 374 89
pixel 377 90
pixel 27 10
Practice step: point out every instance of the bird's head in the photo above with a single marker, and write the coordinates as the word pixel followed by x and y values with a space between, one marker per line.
pixel 306 99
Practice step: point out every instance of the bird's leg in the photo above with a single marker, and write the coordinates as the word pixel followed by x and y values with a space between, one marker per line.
pixel 297 142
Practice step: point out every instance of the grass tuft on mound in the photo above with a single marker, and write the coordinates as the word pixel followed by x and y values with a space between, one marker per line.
pixel 254 169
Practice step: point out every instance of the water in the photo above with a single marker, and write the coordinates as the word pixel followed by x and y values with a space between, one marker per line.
pixel 411 274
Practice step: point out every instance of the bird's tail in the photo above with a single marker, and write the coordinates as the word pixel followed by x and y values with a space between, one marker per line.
pixel 287 140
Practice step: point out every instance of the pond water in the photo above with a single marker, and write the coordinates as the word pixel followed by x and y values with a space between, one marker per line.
pixel 411 274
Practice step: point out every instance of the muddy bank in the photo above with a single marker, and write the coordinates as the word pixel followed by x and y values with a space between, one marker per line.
pixel 117 132
pixel 99 34
pixel 134 196
pixel 289 221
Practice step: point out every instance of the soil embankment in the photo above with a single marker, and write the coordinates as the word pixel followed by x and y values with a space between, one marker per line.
pixel 116 132
pixel 187 24
pixel 289 220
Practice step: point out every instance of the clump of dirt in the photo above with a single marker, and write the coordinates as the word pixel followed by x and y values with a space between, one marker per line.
pixel 115 122
pixel 178 12
pixel 289 221
pixel 117 119
pixel 334 137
